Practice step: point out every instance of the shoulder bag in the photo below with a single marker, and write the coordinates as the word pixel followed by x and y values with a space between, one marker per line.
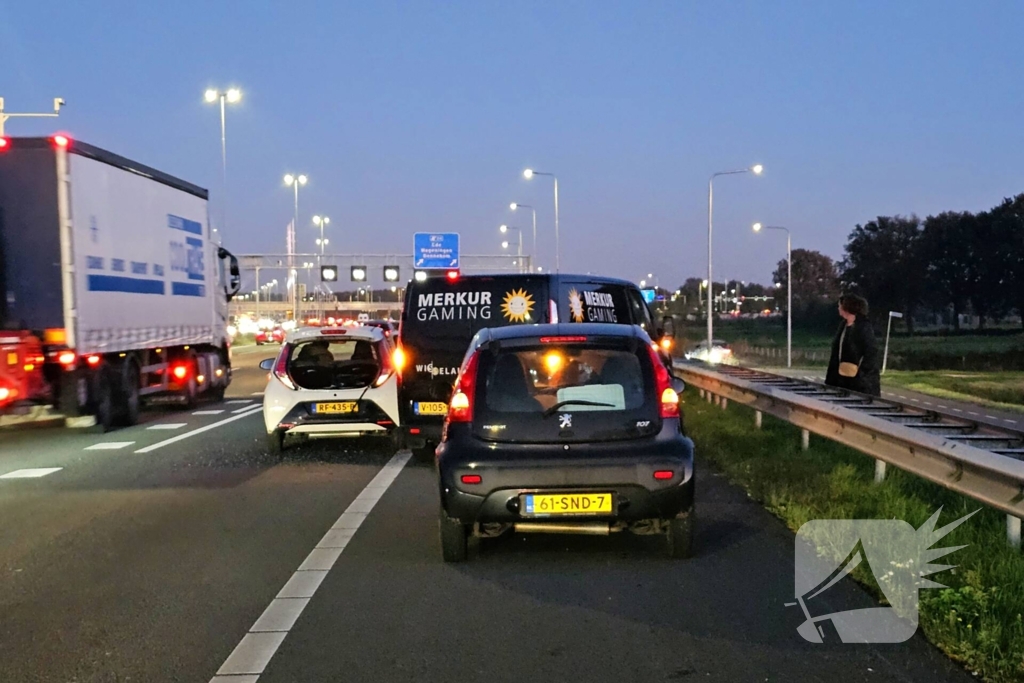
pixel 847 369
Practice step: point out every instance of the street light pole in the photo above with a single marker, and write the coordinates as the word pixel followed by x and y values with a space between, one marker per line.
pixel 888 329
pixel 294 181
pixel 756 170
pixel 231 95
pixel 517 205
pixel 789 288
pixel 529 173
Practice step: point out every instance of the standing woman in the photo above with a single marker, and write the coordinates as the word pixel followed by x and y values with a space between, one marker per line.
pixel 854 363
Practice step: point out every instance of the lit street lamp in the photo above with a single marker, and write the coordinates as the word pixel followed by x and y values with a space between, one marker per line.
pixel 294 181
pixel 231 95
pixel 504 245
pixel 321 221
pixel 528 174
pixel 789 288
pixel 756 170
pixel 516 206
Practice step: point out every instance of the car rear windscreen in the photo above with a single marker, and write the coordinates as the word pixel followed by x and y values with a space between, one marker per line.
pixel 570 392
pixel 334 363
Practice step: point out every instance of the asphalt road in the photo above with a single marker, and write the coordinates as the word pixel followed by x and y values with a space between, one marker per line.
pixel 150 560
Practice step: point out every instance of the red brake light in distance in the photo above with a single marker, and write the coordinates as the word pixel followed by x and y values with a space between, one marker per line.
pixel 667 396
pixel 471 478
pixel 92 360
pixel 61 141
pixel 180 371
pixel 460 408
pixel 562 340
pixel 4 144
pixel 66 358
pixel 333 330
pixel 662 475
pixel 452 275
pixel 281 368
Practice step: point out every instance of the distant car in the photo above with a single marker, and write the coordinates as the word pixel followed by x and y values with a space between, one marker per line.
pixel 720 353
pixel 388 327
pixel 275 336
pixel 331 382
pixel 567 428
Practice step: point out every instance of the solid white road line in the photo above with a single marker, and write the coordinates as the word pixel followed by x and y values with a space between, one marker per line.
pixel 236 401
pixel 257 393
pixel 32 473
pixel 109 445
pixel 200 430
pixel 250 658
pixel 243 409
pixel 208 412
pixel 168 425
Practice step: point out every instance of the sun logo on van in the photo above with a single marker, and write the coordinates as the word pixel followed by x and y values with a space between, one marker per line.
pixel 575 306
pixel 517 306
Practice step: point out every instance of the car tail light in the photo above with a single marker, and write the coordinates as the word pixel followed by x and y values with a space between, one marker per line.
pixel 386 368
pixel 414 430
pixel 666 343
pixel 93 360
pixel 5 394
pixel 562 340
pixel 662 475
pixel 333 330
pixel 460 408
pixel 67 358
pixel 663 381
pixel 281 368
pixel 471 478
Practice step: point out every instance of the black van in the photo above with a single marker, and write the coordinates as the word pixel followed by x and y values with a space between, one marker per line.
pixel 442 313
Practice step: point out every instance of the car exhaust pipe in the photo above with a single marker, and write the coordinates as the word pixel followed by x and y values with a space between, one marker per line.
pixel 588 528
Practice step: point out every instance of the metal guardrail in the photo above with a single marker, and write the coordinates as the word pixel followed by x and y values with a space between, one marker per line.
pixel 980 461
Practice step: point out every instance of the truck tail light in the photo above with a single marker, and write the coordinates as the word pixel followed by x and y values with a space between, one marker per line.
pixel 61 141
pixel 67 358
pixel 180 371
pixel 4 144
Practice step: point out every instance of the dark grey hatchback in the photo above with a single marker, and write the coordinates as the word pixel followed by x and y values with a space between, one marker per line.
pixel 570 428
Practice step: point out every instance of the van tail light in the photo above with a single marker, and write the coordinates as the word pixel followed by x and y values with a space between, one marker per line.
pixel 460 408
pixel 667 396
pixel 399 359
pixel 471 478
pixel 281 368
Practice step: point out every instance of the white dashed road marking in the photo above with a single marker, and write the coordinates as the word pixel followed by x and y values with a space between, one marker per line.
pixel 244 408
pixel 971 412
pixel 253 653
pixel 992 417
pixel 208 412
pixel 257 393
pixel 109 446
pixel 941 406
pixel 235 401
pixel 200 430
pixel 957 410
pixel 1013 422
pixel 32 473
pixel 168 425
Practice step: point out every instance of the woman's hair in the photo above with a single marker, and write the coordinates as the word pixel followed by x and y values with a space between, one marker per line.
pixel 857 305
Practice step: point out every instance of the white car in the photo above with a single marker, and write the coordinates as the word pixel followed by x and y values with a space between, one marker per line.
pixel 720 353
pixel 331 382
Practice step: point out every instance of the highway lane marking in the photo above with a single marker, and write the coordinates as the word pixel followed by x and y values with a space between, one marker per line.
pixel 244 408
pixel 257 393
pixel 971 412
pixel 252 654
pixel 236 401
pixel 941 406
pixel 957 410
pixel 992 417
pixel 208 412
pixel 1013 422
pixel 31 473
pixel 168 425
pixel 180 437
pixel 109 445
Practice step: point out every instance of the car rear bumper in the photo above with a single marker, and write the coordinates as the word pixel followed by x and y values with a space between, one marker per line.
pixel 600 468
pixel 368 418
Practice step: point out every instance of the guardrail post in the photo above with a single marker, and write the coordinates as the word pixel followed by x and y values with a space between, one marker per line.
pixel 757 419
pixel 805 439
pixel 710 397
pixel 725 403
pixel 1013 530
pixel 702 394
pixel 879 471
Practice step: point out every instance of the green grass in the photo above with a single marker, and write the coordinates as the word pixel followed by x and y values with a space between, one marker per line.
pixel 244 340
pixel 996 389
pixel 976 620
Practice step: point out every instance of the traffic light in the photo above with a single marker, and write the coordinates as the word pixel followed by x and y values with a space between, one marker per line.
pixel 358 273
pixel 391 274
pixel 328 274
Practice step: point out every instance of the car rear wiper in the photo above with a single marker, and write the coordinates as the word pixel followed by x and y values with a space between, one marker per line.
pixel 575 401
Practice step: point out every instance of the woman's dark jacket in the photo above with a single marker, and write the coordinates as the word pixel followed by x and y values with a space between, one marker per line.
pixel 859 346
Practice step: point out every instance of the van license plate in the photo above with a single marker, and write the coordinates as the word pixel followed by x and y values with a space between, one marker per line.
pixel 430 408
pixel 566 504
pixel 335 408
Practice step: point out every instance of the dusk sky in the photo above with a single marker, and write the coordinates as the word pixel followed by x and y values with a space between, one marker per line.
pixel 421 116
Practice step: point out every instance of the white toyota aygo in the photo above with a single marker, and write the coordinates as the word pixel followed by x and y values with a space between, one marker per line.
pixel 331 382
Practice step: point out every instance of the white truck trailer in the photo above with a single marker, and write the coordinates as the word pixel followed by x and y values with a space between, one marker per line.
pixel 110 285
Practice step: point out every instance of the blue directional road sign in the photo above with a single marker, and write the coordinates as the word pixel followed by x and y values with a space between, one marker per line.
pixel 436 250
pixel 649 295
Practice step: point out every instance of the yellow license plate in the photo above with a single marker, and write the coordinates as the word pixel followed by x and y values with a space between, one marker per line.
pixel 335 408
pixel 566 503
pixel 431 408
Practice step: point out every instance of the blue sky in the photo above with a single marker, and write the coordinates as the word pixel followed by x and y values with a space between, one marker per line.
pixel 421 116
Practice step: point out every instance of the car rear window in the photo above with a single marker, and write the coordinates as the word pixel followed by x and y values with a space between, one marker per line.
pixel 567 392
pixel 334 363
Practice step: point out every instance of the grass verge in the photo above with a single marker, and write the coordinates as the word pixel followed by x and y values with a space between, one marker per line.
pixel 996 389
pixel 976 620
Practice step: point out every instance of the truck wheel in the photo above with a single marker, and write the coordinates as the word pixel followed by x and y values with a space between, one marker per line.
pixel 680 535
pixel 454 539
pixel 103 400
pixel 275 443
pixel 129 402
